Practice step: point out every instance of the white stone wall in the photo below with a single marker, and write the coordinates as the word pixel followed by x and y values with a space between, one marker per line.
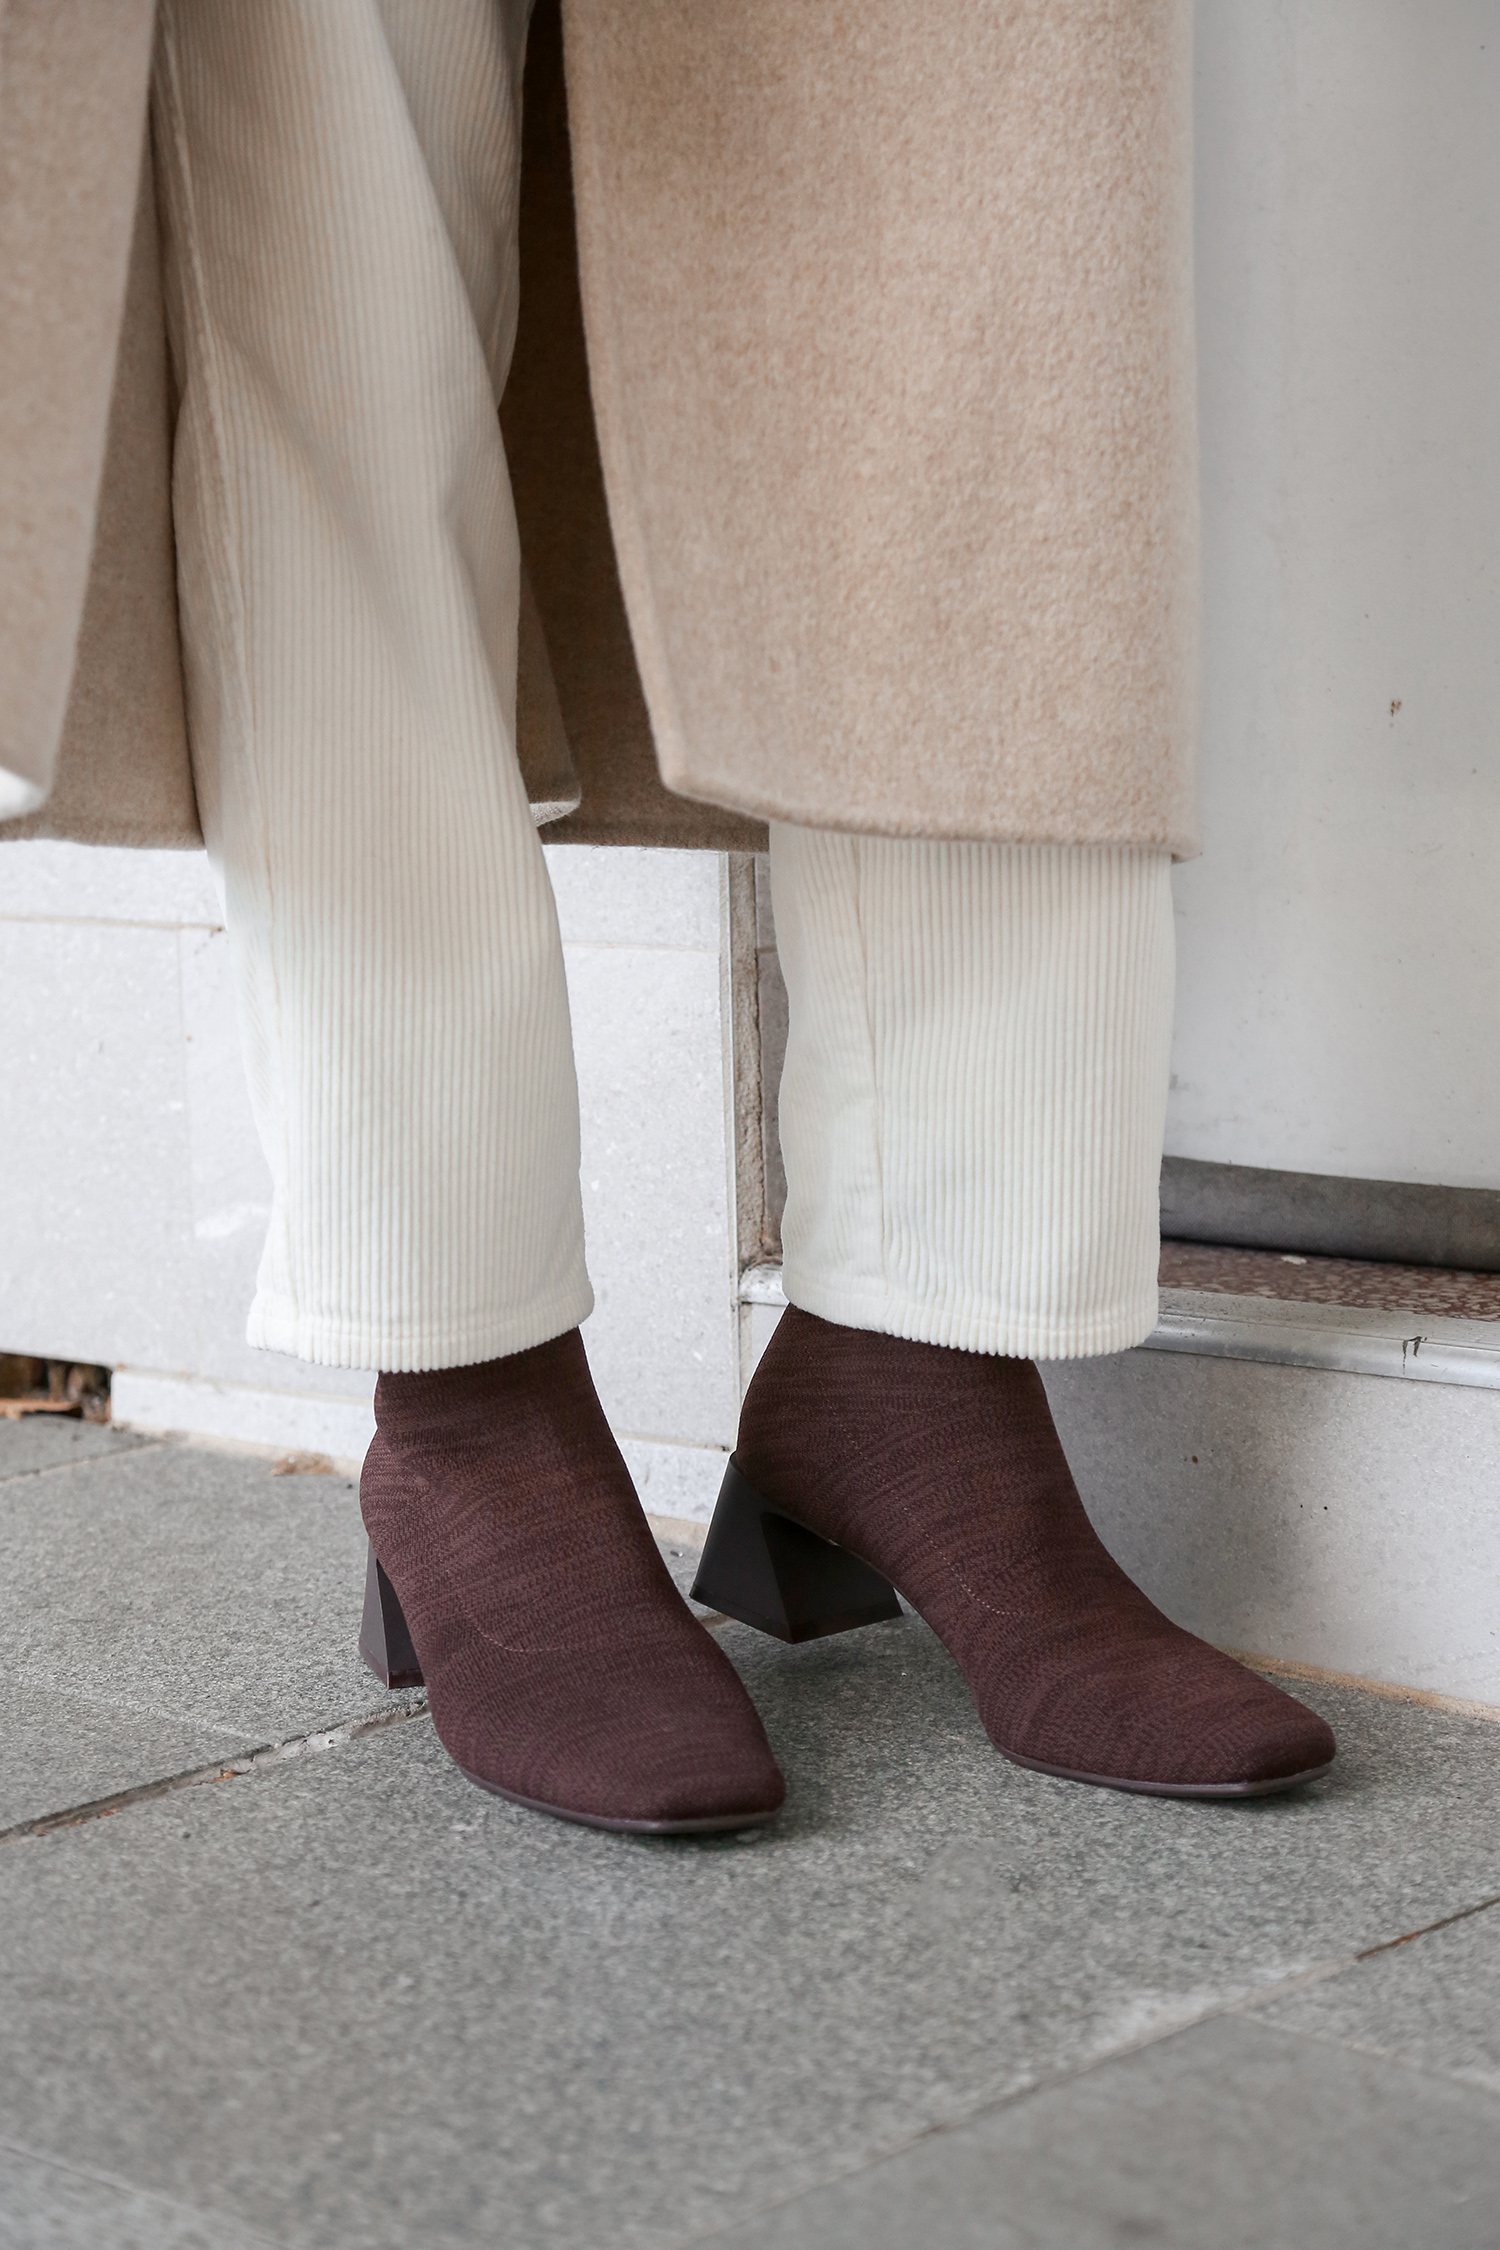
pixel 1339 955
pixel 133 1194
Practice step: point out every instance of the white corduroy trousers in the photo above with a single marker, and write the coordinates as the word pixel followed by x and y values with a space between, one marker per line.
pixel 976 1075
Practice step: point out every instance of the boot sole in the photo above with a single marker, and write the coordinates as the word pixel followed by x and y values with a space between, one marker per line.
pixel 1272 1788
pixel 703 1824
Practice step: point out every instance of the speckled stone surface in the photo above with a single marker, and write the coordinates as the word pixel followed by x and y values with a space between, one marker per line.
pixel 31 1443
pixel 50 2205
pixel 1436 2004
pixel 167 1606
pixel 1330 1281
pixel 1227 2135
pixel 352 2001
pixel 348 2002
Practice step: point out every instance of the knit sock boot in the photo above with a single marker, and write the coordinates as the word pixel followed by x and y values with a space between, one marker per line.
pixel 942 1470
pixel 563 1666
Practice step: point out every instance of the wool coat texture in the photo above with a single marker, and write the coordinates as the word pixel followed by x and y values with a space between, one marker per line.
pixel 850 425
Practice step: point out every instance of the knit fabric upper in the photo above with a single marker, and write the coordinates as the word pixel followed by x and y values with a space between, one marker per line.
pixel 562 1664
pixel 943 1470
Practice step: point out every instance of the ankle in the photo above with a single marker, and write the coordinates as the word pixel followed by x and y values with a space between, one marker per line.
pixel 815 1374
pixel 459 1401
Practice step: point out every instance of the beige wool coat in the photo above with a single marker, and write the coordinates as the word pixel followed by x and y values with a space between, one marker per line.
pixel 851 423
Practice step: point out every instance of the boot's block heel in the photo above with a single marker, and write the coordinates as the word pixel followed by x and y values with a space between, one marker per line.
pixel 384 1642
pixel 768 1571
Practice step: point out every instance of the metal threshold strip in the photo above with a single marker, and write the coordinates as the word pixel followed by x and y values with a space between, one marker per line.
pixel 1343 1339
pixel 1346 1339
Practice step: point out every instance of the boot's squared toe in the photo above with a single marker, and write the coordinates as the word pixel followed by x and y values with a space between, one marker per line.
pixel 653 1740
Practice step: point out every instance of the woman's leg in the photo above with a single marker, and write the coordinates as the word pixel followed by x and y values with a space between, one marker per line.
pixel 340 195
pixel 975 1088
pixel 340 191
pixel 971 1117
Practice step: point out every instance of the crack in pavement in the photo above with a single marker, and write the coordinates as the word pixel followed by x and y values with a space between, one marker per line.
pixel 1046 2082
pixel 248 1761
pixel 223 1769
pixel 1446 1923
pixel 83 1461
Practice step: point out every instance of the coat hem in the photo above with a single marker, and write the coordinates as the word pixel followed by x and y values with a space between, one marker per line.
pixel 911 827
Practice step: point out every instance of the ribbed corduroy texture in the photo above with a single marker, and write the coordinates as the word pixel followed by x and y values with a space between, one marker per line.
pixel 562 1663
pixel 340 186
pixel 975 1087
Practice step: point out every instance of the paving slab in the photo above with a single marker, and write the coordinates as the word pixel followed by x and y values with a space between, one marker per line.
pixel 1433 2002
pixel 50 2206
pixel 352 2001
pixel 59 1749
pixel 32 1442
pixel 171 1605
pixel 1229 2134
pixel 168 1605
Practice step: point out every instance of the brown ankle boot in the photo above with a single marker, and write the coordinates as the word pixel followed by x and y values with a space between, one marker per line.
pixel 564 1669
pixel 941 1472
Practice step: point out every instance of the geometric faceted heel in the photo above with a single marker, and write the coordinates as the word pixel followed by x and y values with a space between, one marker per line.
pixel 384 1642
pixel 768 1571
